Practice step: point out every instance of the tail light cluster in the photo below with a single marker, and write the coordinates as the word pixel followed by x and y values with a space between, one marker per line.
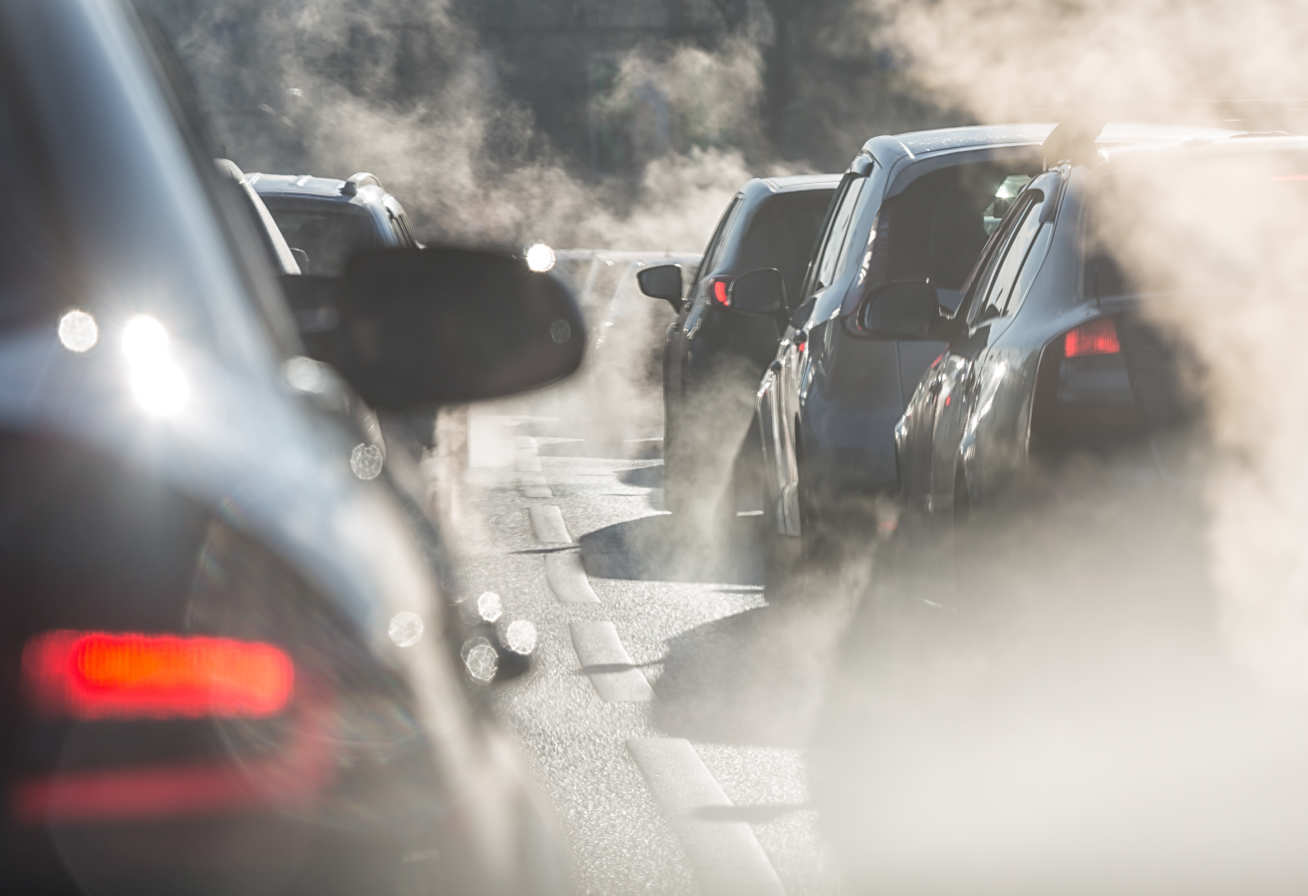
pixel 720 289
pixel 1084 399
pixel 94 675
pixel 1098 337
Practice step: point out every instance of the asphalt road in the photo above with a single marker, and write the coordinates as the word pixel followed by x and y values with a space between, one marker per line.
pixel 670 703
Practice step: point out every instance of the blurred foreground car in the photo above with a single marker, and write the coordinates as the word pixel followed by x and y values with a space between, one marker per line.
pixel 226 664
pixel 1051 687
pixel 720 344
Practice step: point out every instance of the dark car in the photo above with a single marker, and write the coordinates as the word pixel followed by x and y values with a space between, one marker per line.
pixel 1060 656
pixel 716 350
pixel 227 664
pixel 910 206
pixel 326 220
pixel 1049 352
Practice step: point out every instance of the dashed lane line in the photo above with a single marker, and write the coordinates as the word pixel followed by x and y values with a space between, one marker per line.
pixel 547 523
pixel 607 663
pixel 567 578
pixel 725 856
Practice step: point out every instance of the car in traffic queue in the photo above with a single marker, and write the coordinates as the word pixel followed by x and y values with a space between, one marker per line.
pixel 1051 352
pixel 717 347
pixel 228 665
pixel 325 220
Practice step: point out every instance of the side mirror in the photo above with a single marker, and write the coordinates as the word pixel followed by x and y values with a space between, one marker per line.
pixel 422 327
pixel 758 292
pixel 900 310
pixel 662 282
pixel 301 259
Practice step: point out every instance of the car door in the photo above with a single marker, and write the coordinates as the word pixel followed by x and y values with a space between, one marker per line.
pixel 788 370
pixel 960 389
pixel 677 344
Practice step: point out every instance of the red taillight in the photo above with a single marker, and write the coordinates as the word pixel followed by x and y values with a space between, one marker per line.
pixel 92 675
pixel 720 293
pixel 1099 337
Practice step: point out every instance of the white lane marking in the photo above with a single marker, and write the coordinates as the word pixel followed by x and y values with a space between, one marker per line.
pixel 607 663
pixel 547 523
pixel 725 856
pixel 567 578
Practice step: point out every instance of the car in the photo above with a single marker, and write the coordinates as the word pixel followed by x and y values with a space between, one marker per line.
pixel 1049 353
pixel 325 220
pixel 228 665
pixel 911 207
pixel 717 348
pixel 1055 619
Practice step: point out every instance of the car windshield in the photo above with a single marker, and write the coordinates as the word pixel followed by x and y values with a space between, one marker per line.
pixel 327 232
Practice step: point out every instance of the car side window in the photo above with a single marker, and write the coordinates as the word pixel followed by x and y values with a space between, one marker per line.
pixel 713 254
pixel 1001 290
pixel 837 237
pixel 1031 263
pixel 990 278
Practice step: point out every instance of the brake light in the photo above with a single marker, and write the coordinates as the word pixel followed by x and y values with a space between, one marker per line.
pixel 720 293
pixel 1099 337
pixel 91 675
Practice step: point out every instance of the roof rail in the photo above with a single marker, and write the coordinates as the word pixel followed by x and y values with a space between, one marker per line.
pixel 359 179
pixel 1072 141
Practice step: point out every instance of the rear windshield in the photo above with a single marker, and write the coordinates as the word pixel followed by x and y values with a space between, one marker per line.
pixel 781 234
pixel 328 233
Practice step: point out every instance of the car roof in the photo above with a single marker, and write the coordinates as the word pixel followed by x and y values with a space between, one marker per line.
pixel 758 189
pixel 914 144
pixel 796 183
pixel 308 186
pixel 922 144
